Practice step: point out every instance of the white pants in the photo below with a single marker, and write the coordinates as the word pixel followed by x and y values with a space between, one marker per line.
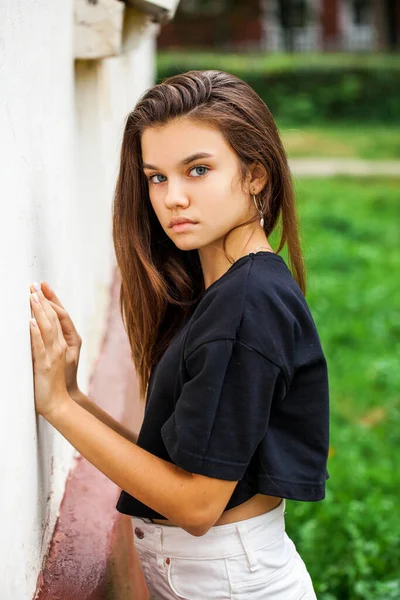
pixel 251 559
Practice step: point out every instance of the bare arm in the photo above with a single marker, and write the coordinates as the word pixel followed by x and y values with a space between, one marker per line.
pixel 182 497
pixel 83 400
pixel 192 501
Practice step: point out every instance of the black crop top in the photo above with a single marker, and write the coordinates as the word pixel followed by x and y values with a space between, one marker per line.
pixel 241 393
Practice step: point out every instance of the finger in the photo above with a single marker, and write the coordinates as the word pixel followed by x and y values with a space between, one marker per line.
pixel 52 316
pixel 47 308
pixel 46 327
pixel 69 333
pixel 68 328
pixel 45 292
pixel 49 293
pixel 38 349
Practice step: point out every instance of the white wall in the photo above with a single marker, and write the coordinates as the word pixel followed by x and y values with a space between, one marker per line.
pixel 60 130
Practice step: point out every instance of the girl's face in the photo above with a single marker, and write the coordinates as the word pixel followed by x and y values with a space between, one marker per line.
pixel 204 188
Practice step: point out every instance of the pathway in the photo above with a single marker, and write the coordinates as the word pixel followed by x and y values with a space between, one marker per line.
pixel 317 167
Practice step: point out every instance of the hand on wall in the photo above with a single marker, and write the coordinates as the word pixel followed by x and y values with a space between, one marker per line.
pixel 49 350
pixel 69 332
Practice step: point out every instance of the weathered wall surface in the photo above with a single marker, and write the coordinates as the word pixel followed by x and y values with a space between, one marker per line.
pixel 61 121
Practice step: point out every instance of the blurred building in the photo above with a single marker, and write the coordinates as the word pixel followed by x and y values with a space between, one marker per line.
pixel 285 25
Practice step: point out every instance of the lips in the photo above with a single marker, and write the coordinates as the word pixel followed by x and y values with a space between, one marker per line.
pixel 179 221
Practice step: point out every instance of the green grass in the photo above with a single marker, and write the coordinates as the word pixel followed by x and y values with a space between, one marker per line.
pixel 364 141
pixel 351 236
pixel 255 61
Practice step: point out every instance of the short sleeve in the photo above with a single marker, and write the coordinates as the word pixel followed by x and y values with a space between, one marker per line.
pixel 223 410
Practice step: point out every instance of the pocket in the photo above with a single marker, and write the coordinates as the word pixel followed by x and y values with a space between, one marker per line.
pixel 199 579
pixel 271 578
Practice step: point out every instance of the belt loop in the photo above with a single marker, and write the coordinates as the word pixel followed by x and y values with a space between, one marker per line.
pixel 251 557
pixel 160 560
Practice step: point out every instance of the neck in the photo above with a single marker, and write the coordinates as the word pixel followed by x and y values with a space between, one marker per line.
pixel 214 263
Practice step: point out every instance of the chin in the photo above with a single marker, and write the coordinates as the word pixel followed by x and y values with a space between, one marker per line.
pixel 185 246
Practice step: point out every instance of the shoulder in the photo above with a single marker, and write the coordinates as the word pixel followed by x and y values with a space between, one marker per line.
pixel 273 293
pixel 277 321
pixel 257 302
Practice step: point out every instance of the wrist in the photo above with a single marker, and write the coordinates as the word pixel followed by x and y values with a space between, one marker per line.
pixel 61 403
pixel 74 392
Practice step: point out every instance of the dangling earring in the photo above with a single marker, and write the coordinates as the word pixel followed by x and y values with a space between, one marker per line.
pixel 260 212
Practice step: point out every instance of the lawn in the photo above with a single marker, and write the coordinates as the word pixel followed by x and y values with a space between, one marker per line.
pixel 351 236
pixel 365 141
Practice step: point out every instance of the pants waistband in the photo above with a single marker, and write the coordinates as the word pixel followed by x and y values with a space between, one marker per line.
pixel 220 541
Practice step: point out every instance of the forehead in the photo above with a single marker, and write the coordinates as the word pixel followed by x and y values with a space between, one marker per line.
pixel 168 144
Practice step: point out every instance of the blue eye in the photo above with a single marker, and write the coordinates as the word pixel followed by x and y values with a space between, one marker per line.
pixel 156 175
pixel 200 167
pixel 151 178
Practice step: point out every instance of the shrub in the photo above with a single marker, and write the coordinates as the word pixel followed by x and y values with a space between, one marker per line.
pixel 300 90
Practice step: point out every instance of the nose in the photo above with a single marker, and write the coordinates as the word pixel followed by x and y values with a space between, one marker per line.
pixel 175 196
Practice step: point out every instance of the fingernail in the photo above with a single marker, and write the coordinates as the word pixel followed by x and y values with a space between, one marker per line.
pixel 36 286
pixel 34 322
pixel 35 298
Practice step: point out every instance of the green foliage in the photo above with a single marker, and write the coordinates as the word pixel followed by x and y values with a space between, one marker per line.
pixel 308 88
pixel 273 62
pixel 350 541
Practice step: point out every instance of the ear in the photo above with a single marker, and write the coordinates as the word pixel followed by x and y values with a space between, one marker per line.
pixel 257 178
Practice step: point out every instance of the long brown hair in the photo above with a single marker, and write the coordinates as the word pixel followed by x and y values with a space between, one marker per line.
pixel 161 284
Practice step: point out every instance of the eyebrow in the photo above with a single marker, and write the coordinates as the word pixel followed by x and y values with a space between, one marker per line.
pixel 185 161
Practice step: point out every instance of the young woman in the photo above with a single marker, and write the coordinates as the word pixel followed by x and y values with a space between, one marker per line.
pixel 227 354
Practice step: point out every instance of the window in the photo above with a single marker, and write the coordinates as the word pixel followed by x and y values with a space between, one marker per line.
pixel 299 16
pixel 293 13
pixel 361 12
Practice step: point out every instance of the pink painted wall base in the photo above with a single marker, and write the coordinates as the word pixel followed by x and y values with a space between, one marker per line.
pixel 92 554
